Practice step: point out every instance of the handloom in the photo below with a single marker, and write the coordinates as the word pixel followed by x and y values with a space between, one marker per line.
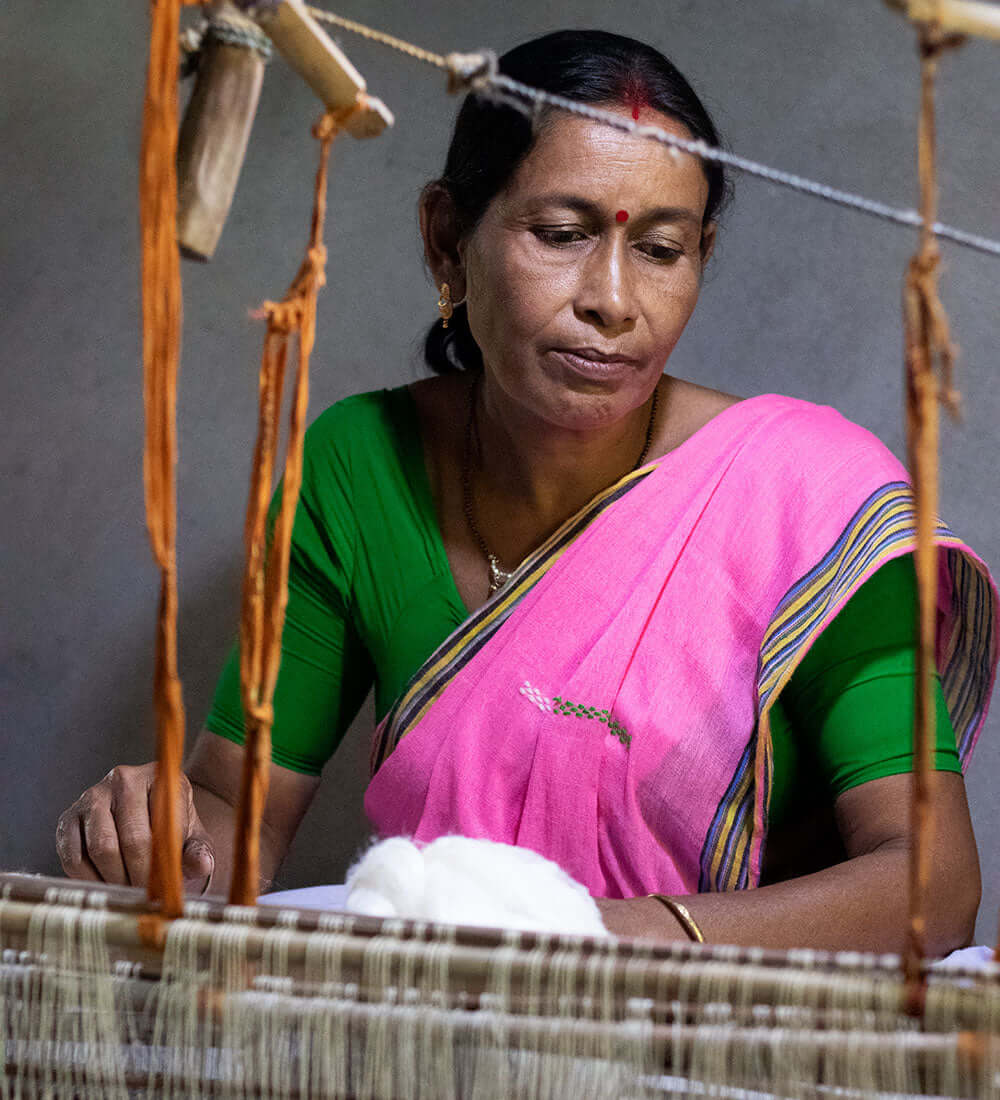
pixel 106 993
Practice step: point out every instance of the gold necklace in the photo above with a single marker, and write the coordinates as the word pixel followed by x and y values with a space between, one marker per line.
pixel 500 577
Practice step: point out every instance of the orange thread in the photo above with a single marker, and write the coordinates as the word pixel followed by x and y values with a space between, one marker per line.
pixel 161 327
pixel 152 931
pixel 929 363
pixel 265 581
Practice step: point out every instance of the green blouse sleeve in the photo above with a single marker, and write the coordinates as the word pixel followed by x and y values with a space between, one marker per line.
pixel 325 670
pixel 848 709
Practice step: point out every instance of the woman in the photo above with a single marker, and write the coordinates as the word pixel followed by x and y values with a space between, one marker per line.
pixel 722 585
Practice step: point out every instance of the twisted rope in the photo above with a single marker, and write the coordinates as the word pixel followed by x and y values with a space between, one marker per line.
pixel 439 61
pixel 245 34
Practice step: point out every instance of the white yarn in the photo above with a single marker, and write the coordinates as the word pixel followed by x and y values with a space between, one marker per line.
pixel 460 880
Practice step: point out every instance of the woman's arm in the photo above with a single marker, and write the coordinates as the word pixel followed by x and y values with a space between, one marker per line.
pixel 105 835
pixel 214 770
pixel 860 904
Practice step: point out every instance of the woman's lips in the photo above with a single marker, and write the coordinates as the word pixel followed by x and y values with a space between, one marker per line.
pixel 594 365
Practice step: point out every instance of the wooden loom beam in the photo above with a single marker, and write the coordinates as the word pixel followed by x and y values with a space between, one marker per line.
pixel 319 61
pixel 664 998
pixel 673 1049
pixel 635 968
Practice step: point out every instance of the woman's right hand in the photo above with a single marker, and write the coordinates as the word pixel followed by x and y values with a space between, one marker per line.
pixel 105 835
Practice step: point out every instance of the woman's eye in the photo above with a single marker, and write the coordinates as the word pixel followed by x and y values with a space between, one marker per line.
pixel 556 235
pixel 661 253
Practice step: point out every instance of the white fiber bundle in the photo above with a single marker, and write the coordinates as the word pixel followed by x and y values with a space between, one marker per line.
pixel 459 880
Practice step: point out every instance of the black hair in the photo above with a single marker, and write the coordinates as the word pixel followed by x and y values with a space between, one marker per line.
pixel 490 140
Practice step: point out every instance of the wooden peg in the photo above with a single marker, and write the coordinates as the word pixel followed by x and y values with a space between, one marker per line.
pixel 975 17
pixel 320 62
pixel 213 137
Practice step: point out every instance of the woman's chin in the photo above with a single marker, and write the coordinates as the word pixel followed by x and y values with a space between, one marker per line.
pixel 574 399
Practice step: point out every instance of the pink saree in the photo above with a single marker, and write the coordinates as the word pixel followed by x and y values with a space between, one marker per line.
pixel 609 708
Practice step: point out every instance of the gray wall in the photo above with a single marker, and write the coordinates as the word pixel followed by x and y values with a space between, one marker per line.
pixel 803 299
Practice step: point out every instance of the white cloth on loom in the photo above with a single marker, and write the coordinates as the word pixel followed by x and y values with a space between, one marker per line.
pixel 458 880
pixel 309 897
pixel 967 958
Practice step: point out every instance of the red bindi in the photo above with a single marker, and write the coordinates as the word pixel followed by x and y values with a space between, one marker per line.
pixel 621 216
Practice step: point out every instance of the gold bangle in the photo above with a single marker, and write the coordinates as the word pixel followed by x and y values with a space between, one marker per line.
pixel 684 918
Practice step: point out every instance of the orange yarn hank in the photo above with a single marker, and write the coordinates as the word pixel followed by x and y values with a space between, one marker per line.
pixel 265 582
pixel 929 362
pixel 161 331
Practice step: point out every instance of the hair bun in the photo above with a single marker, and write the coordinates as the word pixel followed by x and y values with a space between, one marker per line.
pixel 452 349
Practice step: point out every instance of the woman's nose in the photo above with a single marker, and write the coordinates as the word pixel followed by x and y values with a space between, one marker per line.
pixel 605 295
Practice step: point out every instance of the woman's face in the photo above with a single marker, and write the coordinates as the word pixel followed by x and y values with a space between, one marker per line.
pixel 583 272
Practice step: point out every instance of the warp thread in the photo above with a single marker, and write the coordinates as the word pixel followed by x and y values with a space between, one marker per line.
pixel 413 1011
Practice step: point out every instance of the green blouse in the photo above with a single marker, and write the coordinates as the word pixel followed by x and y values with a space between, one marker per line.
pixel 371 595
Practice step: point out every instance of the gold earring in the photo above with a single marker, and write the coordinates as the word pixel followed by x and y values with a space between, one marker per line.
pixel 444 304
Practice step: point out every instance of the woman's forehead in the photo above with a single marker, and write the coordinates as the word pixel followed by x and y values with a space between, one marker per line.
pixel 574 155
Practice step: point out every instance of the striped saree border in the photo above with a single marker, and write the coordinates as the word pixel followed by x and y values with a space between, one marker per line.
pixel 458 649
pixel 725 862
pixel 965 680
pixel 881 529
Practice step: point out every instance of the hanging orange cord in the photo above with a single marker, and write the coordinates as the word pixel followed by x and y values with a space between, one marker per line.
pixel 929 363
pixel 161 333
pixel 265 581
